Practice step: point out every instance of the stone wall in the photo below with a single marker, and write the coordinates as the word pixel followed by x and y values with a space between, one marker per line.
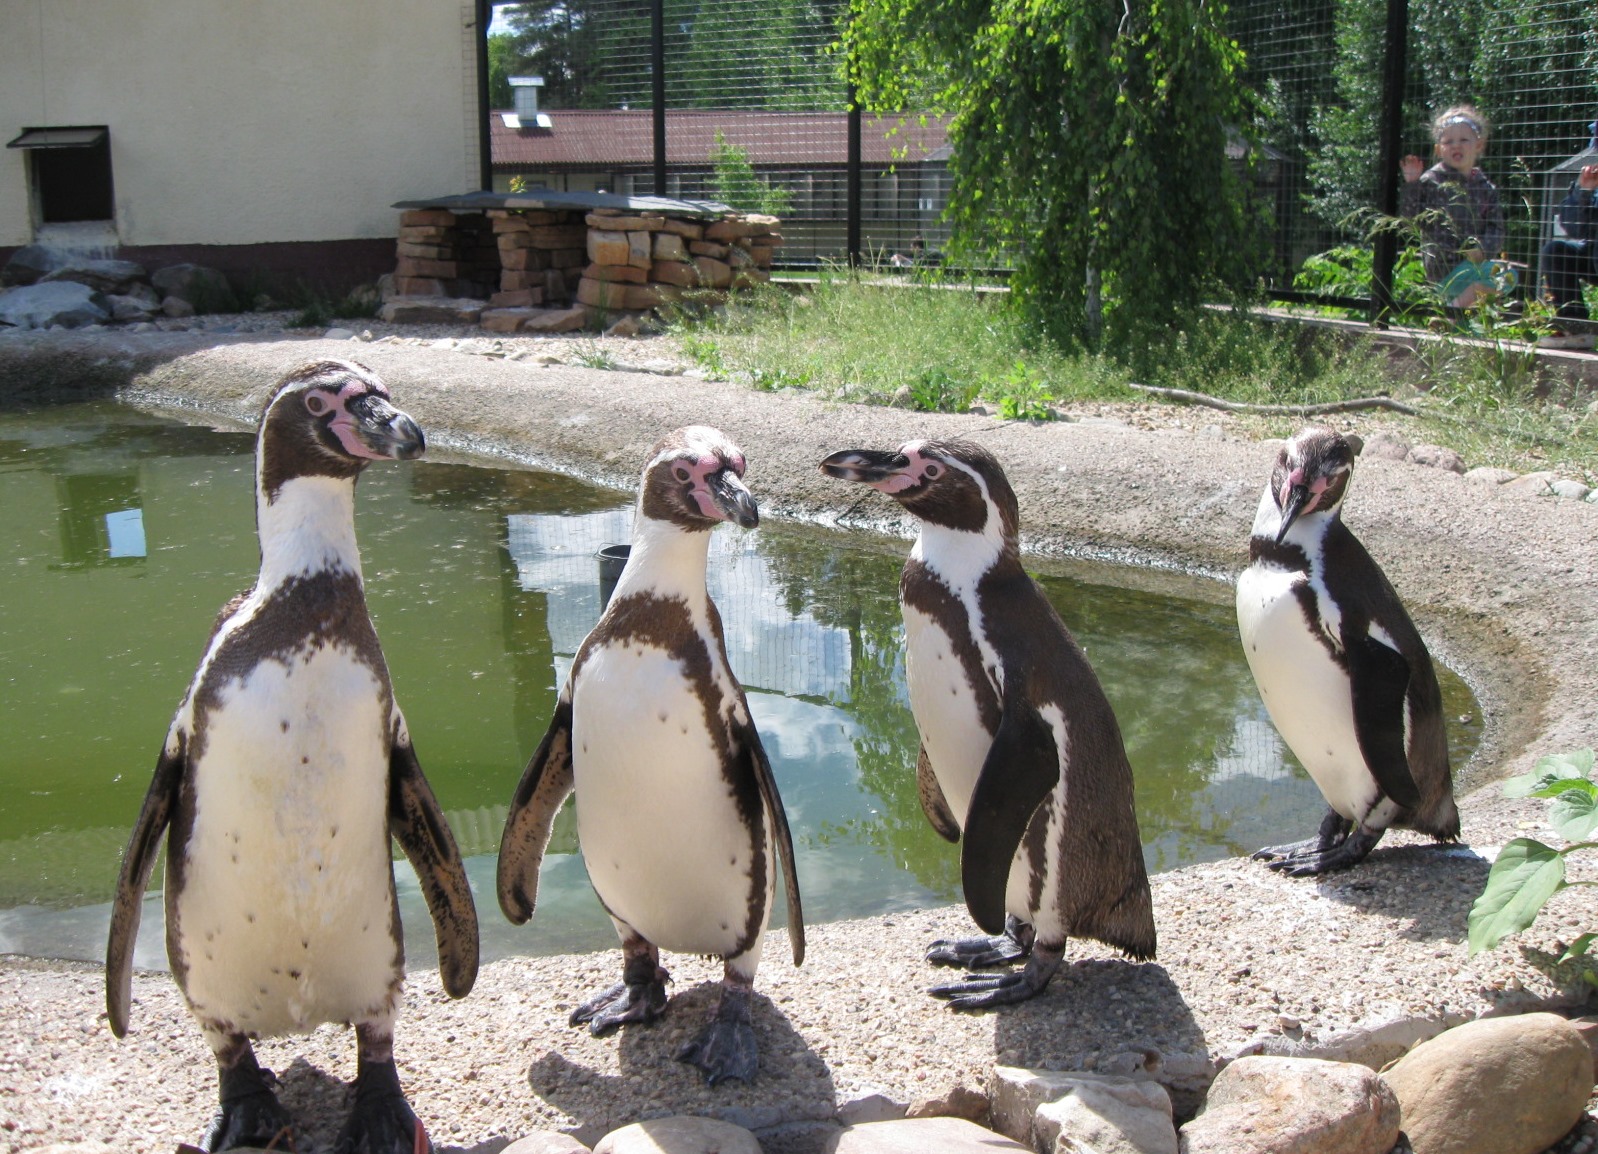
pixel 604 264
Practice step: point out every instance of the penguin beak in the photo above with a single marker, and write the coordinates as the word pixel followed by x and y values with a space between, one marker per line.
pixel 867 466
pixel 732 499
pixel 381 429
pixel 1297 497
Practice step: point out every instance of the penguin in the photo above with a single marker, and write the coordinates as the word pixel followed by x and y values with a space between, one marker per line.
pixel 286 770
pixel 1021 755
pixel 1344 673
pixel 678 816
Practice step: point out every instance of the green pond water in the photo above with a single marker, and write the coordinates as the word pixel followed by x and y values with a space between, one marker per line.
pixel 125 532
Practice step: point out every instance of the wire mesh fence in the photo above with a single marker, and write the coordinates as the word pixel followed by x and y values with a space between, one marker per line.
pixel 755 93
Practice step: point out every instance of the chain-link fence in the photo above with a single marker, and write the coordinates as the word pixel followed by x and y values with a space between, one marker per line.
pixel 753 99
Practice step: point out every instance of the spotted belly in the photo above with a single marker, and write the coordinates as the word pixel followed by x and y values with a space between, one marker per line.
pixel 285 915
pixel 665 845
pixel 1306 692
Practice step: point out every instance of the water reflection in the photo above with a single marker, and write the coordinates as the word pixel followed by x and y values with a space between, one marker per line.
pixel 482 583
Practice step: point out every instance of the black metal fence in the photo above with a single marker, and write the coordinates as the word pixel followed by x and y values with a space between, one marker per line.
pixel 1345 87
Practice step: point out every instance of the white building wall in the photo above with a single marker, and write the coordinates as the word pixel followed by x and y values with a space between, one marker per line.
pixel 246 121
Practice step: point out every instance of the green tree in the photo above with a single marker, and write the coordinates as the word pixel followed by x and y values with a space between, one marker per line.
pixel 503 60
pixel 733 182
pixel 1089 140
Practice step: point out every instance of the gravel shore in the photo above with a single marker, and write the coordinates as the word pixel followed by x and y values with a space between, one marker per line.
pixel 1355 966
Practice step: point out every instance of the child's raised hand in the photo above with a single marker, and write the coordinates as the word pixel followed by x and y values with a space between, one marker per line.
pixel 1412 166
pixel 1588 179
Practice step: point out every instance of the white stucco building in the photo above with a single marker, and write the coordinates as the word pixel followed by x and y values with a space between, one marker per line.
pixel 262 137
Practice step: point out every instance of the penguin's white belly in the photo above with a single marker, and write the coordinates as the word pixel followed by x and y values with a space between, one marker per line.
pixel 665 846
pixel 945 708
pixel 1307 694
pixel 950 723
pixel 284 916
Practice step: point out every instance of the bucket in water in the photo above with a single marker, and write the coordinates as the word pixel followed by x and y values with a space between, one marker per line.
pixel 612 560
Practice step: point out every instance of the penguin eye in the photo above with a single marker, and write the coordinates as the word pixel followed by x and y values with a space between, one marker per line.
pixel 933 471
pixel 680 472
pixel 315 404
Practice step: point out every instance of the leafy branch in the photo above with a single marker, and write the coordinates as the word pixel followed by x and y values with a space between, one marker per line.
pixel 1527 872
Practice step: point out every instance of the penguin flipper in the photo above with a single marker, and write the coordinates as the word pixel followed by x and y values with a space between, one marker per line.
pixel 137 862
pixel 546 783
pixel 779 833
pixel 1021 770
pixel 418 824
pixel 1380 678
pixel 933 803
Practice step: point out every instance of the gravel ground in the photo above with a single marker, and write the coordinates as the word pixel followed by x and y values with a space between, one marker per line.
pixel 1501 584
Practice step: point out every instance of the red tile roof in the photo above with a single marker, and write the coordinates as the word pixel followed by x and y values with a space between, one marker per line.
pixel 602 138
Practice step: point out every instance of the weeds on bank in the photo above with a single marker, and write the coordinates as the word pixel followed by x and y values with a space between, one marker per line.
pixel 939 347
pixel 317 308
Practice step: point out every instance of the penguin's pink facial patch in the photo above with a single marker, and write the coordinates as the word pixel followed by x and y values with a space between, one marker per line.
pixel 919 470
pixel 343 422
pixel 698 471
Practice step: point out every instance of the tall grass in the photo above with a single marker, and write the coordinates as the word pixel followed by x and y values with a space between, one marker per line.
pixel 942 346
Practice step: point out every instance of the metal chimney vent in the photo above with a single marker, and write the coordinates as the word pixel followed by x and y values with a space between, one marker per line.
pixel 526 92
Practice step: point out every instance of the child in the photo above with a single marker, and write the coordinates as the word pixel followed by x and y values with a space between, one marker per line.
pixel 1573 258
pixel 1460 217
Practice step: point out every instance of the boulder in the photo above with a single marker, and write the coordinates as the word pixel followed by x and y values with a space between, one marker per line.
pixel 66 303
pixel 1266 1105
pixel 204 288
pixel 869 1106
pixel 129 308
pixel 956 1102
pixel 1569 489
pixel 546 1142
pixel 680 1134
pixel 556 320
pixel 1107 1116
pixel 921 1136
pixel 29 263
pixel 1016 1094
pixel 107 276
pixel 431 311
pixel 1539 484
pixel 1385 446
pixel 1437 457
pixel 1511 1085
pixel 1490 475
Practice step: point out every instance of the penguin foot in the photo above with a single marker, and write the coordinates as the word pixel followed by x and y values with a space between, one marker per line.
pixel 980 991
pixel 621 1004
pixel 382 1121
pixel 726 1048
pixel 1271 853
pixel 981 952
pixel 250 1114
pixel 1313 862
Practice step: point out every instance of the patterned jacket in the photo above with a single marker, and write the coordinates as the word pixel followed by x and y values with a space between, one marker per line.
pixel 1578 215
pixel 1456 213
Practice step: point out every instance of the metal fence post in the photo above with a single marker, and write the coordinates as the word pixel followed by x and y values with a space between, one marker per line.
pixel 657 60
pixel 1385 245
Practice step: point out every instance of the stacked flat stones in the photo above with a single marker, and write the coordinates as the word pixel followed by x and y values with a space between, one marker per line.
pixel 444 254
pixel 551 270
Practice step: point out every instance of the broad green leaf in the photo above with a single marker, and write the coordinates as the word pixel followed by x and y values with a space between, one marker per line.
pixel 1556 786
pixel 1526 874
pixel 1579 947
pixel 1556 767
pixel 1574 814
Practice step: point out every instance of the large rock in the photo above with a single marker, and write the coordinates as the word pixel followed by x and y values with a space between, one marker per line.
pixel 1107 1116
pixel 1437 457
pixel 556 320
pixel 29 263
pixel 1016 1094
pixel 65 303
pixel 115 277
pixel 1496 1086
pixel 206 289
pixel 546 1142
pixel 1295 1106
pixel 921 1136
pixel 431 311
pixel 679 1135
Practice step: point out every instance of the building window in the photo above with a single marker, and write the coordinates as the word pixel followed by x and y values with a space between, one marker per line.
pixel 70 171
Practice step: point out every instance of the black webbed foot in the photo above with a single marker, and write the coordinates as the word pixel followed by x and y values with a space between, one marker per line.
pixel 980 952
pixel 623 1003
pixel 1334 831
pixel 1350 852
pixel 250 1114
pixel 382 1121
pixel 726 1048
pixel 980 991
